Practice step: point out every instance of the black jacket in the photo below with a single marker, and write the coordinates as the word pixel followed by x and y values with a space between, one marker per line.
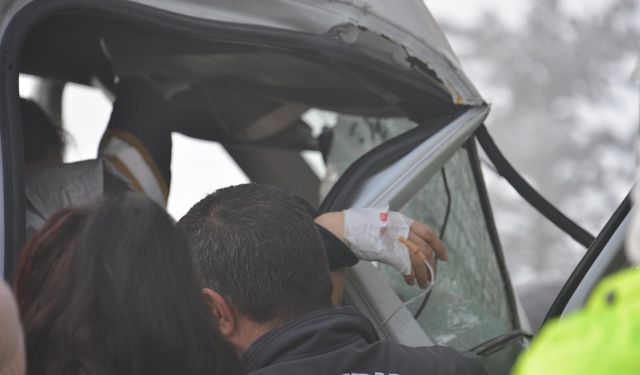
pixel 343 341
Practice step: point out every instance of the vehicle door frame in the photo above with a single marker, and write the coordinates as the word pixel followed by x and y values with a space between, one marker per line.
pixel 423 154
pixel 594 265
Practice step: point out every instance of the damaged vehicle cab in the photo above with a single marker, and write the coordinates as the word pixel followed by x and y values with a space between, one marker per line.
pixel 374 89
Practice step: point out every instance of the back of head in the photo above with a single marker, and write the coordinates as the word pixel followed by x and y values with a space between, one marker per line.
pixel 12 360
pixel 121 296
pixel 258 247
pixel 43 140
pixel 45 262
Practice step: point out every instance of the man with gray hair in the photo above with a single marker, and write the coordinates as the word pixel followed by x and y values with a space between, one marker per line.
pixel 265 275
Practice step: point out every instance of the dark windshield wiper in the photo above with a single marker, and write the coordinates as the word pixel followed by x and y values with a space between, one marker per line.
pixel 495 343
pixel 528 193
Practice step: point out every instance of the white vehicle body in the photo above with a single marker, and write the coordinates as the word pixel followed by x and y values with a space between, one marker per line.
pixel 400 106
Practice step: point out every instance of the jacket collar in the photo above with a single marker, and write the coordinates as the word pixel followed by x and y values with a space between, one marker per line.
pixel 310 334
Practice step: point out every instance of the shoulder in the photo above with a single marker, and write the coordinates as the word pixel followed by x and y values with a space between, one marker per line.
pixel 437 360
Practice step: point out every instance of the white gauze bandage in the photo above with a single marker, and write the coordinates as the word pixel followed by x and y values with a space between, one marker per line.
pixel 371 239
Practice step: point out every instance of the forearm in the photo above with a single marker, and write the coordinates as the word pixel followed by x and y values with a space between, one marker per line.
pixel 334 223
pixel 331 228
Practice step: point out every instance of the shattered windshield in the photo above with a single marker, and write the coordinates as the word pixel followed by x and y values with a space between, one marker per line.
pixel 469 303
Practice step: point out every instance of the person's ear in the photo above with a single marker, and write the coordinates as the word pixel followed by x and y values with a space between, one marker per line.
pixel 222 312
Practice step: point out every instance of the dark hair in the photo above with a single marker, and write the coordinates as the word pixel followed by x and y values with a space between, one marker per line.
pixel 44 263
pixel 43 140
pixel 258 247
pixel 111 290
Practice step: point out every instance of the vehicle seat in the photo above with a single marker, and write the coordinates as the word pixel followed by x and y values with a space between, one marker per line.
pixel 50 189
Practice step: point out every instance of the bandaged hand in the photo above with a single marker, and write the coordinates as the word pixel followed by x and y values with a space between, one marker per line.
pixel 372 239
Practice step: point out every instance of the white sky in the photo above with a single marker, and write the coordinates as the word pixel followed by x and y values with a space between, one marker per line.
pixel 512 12
pixel 621 119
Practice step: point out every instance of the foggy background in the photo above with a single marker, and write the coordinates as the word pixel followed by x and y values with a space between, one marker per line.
pixel 564 112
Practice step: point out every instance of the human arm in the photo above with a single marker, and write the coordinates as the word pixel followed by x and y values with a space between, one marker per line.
pixel 423 236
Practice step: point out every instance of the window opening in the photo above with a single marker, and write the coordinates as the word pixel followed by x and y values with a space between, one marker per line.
pixel 469 303
pixel 443 229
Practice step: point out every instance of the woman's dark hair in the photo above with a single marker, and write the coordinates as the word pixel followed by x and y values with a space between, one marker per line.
pixel 111 290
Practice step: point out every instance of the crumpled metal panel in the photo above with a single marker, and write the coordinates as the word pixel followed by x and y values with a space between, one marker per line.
pixel 404 28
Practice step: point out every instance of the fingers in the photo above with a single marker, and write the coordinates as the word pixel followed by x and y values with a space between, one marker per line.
pixel 419 268
pixel 410 279
pixel 429 236
pixel 422 244
pixel 428 252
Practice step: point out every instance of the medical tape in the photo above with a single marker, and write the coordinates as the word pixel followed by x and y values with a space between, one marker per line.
pixel 372 234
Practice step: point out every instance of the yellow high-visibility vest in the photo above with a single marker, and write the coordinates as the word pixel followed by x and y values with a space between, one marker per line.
pixel 603 338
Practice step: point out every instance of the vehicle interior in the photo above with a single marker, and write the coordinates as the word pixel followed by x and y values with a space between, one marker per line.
pixel 334 99
pixel 230 86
